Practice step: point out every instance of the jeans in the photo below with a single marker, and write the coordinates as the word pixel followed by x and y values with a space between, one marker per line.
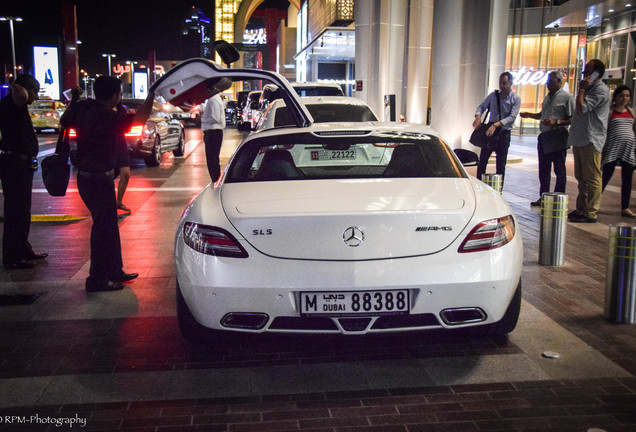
pixel 502 155
pixel 546 161
pixel 627 172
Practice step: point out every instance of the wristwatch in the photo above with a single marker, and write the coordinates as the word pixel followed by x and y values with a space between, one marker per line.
pixel 558 122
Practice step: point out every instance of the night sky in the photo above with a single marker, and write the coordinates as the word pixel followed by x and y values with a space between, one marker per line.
pixel 129 29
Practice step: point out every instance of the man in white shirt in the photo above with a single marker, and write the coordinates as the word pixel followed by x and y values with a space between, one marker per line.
pixel 212 124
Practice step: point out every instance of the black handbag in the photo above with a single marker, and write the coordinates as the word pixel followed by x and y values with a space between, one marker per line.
pixel 56 171
pixel 479 138
pixel 554 140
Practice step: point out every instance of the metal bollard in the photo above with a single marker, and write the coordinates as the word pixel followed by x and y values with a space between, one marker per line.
pixel 554 214
pixel 620 281
pixel 495 181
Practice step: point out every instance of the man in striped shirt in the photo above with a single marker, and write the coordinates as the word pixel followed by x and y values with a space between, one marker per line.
pixel 587 138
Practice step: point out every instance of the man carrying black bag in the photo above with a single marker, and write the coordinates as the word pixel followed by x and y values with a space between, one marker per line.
pixel 504 107
pixel 18 151
pixel 99 123
pixel 556 114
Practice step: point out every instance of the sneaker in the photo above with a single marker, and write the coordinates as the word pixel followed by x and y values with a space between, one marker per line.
pixel 104 286
pixel 581 219
pixel 536 203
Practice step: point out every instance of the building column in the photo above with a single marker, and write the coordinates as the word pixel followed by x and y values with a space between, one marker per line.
pixel 380 51
pixel 469 53
pixel 418 71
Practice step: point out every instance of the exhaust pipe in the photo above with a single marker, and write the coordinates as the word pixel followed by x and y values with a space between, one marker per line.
pixel 245 320
pixel 456 316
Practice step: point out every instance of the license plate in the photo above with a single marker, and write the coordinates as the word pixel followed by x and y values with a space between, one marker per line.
pixel 333 154
pixel 354 302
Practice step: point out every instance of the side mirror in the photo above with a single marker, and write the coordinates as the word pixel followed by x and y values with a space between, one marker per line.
pixel 226 51
pixel 467 157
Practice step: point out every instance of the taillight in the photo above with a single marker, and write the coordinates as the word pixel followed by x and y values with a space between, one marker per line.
pixel 489 234
pixel 212 241
pixel 72 133
pixel 48 114
pixel 135 131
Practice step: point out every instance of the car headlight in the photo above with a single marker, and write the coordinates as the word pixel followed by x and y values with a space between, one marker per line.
pixel 212 241
pixel 489 234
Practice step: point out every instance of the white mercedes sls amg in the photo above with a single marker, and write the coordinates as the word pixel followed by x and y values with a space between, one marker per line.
pixel 343 228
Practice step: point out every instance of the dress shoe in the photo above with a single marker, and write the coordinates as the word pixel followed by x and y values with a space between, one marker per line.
pixel 125 277
pixel 576 218
pixel 104 286
pixel 36 255
pixel 536 203
pixel 22 264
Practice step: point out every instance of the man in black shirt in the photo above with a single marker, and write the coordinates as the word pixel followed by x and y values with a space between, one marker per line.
pixel 18 151
pixel 98 123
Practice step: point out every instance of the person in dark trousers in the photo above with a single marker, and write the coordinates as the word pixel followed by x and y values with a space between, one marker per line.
pixel 556 112
pixel 212 125
pixel 99 130
pixel 620 146
pixel 505 113
pixel 19 149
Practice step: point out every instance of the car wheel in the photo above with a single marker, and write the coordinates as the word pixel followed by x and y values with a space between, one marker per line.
pixel 509 320
pixel 244 126
pixel 188 325
pixel 178 152
pixel 154 159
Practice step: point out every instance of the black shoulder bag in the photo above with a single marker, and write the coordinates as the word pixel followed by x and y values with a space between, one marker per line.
pixel 55 168
pixel 479 137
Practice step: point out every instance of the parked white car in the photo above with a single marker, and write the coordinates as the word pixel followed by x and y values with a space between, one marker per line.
pixel 292 240
pixel 324 109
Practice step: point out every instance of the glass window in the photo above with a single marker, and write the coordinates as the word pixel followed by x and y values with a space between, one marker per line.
pixel 326 113
pixel 305 156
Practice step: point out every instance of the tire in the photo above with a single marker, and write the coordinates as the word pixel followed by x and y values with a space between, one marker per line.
pixel 154 159
pixel 178 152
pixel 509 320
pixel 189 327
pixel 244 126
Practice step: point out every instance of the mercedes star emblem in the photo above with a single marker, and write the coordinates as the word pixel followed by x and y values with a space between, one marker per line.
pixel 353 236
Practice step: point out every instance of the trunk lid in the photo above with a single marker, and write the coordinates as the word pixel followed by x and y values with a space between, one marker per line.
pixel 357 219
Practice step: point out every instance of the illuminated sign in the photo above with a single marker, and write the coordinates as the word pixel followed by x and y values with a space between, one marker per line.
pixel 140 85
pixel 255 36
pixel 47 71
pixel 530 76
pixel 119 69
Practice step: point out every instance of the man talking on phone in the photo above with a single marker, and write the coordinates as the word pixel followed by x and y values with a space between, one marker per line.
pixel 587 138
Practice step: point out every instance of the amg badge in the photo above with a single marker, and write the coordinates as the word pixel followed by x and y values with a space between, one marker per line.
pixel 434 228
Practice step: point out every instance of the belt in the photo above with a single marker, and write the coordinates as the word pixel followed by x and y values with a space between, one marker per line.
pixel 13 153
pixel 96 173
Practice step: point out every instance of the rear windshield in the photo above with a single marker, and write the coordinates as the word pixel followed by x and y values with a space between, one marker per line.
pixel 319 91
pixel 48 105
pixel 308 157
pixel 327 113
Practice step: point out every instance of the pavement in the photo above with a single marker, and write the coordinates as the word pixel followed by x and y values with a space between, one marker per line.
pixel 116 361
